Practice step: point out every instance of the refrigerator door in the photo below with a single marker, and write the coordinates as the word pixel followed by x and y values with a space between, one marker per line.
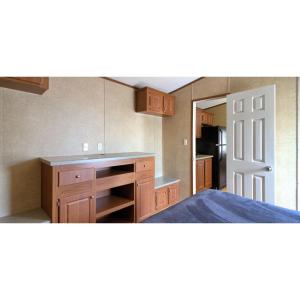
pixel 210 134
pixel 222 168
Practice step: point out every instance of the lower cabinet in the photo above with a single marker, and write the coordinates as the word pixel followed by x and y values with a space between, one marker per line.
pixel 173 193
pixel 77 209
pixel 203 174
pixel 145 201
pixel 166 196
pixel 161 198
pixel 200 175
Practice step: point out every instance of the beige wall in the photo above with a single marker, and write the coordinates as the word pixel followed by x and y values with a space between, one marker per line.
pixel 220 114
pixel 175 129
pixel 72 111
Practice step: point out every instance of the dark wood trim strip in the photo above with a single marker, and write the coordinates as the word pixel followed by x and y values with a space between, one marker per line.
pixel 119 82
pixel 186 85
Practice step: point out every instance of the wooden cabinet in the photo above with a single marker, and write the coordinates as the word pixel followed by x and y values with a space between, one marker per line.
pixel 168 105
pixel 208 173
pixel 151 101
pixel 166 196
pixel 173 190
pixel 202 118
pixel 35 85
pixel 200 175
pixel 161 198
pixel 203 174
pixel 198 122
pixel 77 210
pixel 145 205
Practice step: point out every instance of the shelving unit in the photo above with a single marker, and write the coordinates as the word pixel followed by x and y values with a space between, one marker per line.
pixel 115 176
pixel 115 194
pixel 109 204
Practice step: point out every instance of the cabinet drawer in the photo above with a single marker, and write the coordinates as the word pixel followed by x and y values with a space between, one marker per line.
pixel 144 165
pixel 75 176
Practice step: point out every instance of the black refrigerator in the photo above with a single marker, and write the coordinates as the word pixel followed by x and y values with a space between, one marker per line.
pixel 213 142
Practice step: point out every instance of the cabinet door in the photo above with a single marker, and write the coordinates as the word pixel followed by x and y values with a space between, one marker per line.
pixel 200 183
pixel 161 198
pixel 145 202
pixel 210 119
pixel 82 210
pixel 169 105
pixel 198 122
pixel 155 102
pixel 173 193
pixel 208 173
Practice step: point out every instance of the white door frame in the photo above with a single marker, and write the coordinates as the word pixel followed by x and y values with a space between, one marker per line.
pixel 194 105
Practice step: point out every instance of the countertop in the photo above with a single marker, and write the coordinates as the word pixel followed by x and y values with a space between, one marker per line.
pixel 32 216
pixel 163 181
pixel 92 158
pixel 203 156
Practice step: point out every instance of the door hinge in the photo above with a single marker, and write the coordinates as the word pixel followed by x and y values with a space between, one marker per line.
pixel 58 202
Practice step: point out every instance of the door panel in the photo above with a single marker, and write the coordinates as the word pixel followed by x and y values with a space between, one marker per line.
pixel 161 198
pixel 145 200
pixel 77 211
pixel 251 143
pixel 155 102
pixel 168 104
pixel 200 182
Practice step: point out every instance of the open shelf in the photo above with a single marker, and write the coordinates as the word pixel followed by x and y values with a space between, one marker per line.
pixel 108 178
pixel 111 203
pixel 125 215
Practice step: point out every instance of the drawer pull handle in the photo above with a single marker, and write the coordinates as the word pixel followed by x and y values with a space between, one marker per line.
pixel 77 176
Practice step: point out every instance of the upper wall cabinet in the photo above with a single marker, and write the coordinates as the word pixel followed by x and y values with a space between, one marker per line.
pixel 151 101
pixel 35 85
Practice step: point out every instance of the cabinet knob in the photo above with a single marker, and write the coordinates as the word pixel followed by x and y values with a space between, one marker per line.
pixel 77 176
pixel 92 197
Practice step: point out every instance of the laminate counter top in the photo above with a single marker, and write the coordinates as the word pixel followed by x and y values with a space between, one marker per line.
pixel 203 156
pixel 164 181
pixel 92 158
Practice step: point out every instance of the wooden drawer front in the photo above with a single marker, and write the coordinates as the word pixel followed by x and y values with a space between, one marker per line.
pixel 113 181
pixel 75 189
pixel 173 193
pixel 144 175
pixel 75 176
pixel 144 165
pixel 161 198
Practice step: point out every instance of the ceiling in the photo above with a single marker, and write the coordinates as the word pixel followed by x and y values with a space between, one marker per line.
pixel 210 103
pixel 164 84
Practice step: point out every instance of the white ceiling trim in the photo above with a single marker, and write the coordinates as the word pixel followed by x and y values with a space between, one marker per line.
pixel 164 84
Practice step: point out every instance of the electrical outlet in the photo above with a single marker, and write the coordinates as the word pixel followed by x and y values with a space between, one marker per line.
pixel 85 147
pixel 99 147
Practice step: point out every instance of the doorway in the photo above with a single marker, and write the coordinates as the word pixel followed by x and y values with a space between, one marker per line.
pixel 209 144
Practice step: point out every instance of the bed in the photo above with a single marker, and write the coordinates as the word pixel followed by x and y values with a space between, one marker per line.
pixel 212 206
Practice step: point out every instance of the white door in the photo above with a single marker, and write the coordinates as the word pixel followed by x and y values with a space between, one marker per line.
pixel 251 144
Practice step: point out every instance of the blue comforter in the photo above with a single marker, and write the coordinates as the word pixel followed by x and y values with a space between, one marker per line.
pixel 212 206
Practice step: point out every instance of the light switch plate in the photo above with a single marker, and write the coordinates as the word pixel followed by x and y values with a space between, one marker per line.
pixel 85 147
pixel 185 142
pixel 99 147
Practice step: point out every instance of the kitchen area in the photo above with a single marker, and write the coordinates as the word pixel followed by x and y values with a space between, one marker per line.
pixel 209 151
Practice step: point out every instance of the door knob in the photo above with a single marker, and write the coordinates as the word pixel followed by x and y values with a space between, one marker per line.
pixel 268 169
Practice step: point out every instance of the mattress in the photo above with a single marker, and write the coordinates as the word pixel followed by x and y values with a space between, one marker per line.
pixel 212 206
